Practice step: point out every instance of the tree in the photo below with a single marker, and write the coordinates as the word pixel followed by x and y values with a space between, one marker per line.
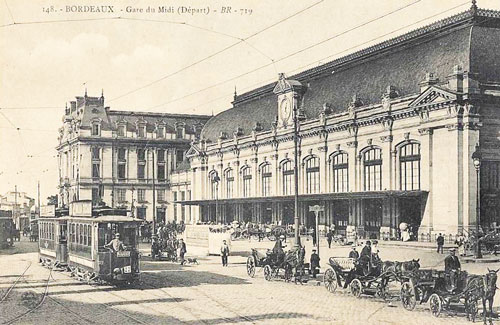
pixel 52 200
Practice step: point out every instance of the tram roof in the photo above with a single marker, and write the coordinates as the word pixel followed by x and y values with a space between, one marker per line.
pixel 103 219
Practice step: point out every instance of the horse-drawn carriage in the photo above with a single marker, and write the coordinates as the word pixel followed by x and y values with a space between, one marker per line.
pixel 165 244
pixel 435 287
pixel 360 277
pixel 366 277
pixel 290 265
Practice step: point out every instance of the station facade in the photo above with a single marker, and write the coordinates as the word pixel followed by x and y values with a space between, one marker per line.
pixel 385 136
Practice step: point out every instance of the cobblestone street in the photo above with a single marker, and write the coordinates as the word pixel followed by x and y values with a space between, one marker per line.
pixel 204 294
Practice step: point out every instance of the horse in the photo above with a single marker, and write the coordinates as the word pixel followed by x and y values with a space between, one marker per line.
pixel 488 293
pixel 400 267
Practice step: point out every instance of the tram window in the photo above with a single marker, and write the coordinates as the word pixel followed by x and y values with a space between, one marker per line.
pixel 81 234
pixel 85 235
pixel 89 239
pixel 63 229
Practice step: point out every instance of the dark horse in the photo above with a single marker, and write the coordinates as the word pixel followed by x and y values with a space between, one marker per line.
pixel 401 267
pixel 489 287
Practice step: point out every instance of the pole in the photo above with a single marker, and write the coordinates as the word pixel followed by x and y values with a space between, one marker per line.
pixel 15 204
pixel 154 190
pixel 317 231
pixel 478 220
pixel 38 199
pixel 296 175
pixel 216 201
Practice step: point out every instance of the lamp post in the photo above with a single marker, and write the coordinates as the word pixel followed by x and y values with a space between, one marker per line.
pixel 476 159
pixel 296 173
pixel 216 179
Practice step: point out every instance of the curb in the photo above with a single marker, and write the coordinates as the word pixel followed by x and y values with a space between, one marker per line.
pixel 472 260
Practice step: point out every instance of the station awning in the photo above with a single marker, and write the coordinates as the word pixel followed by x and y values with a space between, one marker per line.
pixel 309 197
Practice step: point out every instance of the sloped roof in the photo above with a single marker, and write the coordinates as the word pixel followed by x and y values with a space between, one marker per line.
pixel 401 62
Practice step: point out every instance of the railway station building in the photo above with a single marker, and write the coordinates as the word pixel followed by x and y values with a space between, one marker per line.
pixel 386 135
pixel 117 158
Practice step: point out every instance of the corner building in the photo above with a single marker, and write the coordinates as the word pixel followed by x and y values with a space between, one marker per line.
pixel 122 158
pixel 386 136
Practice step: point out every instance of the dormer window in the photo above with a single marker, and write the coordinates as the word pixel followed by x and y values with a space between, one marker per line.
pixel 121 130
pixel 141 131
pixel 96 129
pixel 160 132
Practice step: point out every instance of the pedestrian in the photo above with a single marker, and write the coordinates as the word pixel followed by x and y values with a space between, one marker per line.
pixel 329 237
pixel 314 263
pixel 440 243
pixel 224 252
pixel 182 250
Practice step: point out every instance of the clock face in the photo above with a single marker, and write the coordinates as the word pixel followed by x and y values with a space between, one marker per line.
pixel 286 109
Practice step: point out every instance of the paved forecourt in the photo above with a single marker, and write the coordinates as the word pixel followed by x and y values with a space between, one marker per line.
pixel 199 294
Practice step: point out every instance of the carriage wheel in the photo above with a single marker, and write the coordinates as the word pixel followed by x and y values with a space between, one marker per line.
pixel 330 280
pixel 356 288
pixel 288 273
pixel 268 273
pixel 408 296
pixel 435 305
pixel 251 266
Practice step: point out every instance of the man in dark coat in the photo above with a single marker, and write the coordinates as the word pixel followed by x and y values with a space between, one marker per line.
pixel 440 243
pixel 314 263
pixel 452 268
pixel 278 252
pixel 182 250
pixel 354 253
pixel 329 237
pixel 365 258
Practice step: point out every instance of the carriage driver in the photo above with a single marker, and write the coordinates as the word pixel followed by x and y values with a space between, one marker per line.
pixel 116 244
pixel 452 268
pixel 278 251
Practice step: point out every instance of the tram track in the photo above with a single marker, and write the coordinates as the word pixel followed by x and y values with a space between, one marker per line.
pixel 38 305
pixel 15 283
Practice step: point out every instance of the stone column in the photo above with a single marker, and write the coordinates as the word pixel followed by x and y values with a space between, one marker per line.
pixel 426 176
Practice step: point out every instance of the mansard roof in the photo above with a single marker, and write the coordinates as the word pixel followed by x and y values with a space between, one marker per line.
pixel 466 39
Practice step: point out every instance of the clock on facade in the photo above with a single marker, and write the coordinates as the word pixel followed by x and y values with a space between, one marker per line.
pixel 286 110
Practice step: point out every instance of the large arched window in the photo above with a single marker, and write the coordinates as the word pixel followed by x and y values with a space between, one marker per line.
pixel 265 174
pixel 246 175
pixel 312 175
pixel 287 172
pixel 409 167
pixel 372 162
pixel 340 175
pixel 214 183
pixel 229 182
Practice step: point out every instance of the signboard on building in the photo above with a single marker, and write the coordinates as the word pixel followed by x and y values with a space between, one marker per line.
pixel 47 211
pixel 80 208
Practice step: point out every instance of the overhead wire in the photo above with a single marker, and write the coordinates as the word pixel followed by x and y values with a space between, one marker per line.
pixel 315 62
pixel 241 40
pixel 284 57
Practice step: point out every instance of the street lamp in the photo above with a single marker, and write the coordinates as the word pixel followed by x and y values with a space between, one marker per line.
pixel 216 180
pixel 476 159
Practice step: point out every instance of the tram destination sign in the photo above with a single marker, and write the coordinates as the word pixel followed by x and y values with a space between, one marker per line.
pixel 47 211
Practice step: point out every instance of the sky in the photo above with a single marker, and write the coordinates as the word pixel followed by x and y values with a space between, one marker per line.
pixel 182 62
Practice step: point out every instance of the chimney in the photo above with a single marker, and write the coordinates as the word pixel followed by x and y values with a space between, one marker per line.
pixel 470 83
pixel 455 80
pixel 428 81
